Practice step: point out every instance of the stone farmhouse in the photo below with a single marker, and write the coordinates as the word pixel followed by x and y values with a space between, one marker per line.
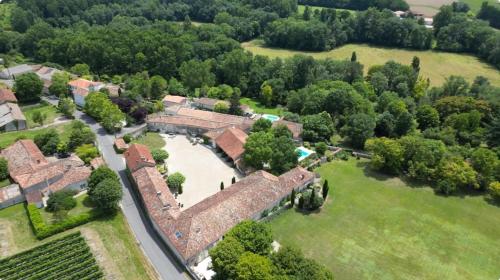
pixel 36 177
pixel 11 116
pixel 191 232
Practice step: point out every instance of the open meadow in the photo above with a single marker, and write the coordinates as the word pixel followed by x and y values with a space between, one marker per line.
pixel 434 65
pixel 378 227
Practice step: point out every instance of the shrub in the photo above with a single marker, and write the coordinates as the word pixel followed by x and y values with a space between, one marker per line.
pixel 342 155
pixel 47 142
pixel 494 189
pixel 98 175
pixel 321 148
pixel 176 180
pixel 87 152
pixel 4 170
pixel 61 200
pixel 159 155
pixel 127 138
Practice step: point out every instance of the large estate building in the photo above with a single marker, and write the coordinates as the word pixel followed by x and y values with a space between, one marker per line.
pixel 191 232
pixel 36 177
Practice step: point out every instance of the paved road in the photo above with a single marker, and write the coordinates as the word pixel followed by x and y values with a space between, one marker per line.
pixel 159 255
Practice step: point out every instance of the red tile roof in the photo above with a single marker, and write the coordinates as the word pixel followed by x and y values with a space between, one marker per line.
pixel 73 176
pixel 96 162
pixel 232 142
pixel 6 95
pixel 194 229
pixel 138 156
pixel 174 99
pixel 82 83
pixel 24 157
pixel 120 144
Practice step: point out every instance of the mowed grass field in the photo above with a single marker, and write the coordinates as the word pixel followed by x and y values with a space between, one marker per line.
pixel 376 227
pixel 475 5
pixel 434 65
pixel 50 111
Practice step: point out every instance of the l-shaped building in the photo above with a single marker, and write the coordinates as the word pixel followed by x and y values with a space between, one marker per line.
pixel 190 233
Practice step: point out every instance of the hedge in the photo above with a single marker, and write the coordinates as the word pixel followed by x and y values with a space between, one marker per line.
pixel 42 230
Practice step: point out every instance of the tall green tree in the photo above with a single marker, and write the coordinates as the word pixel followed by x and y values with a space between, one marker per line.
pixel 196 74
pixel 359 127
pixel 158 85
pixel 225 256
pixel 258 149
pixel 254 236
pixel 254 267
pixel 107 194
pixel 28 87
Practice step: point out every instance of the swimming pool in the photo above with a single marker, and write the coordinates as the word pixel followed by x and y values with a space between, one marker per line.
pixel 272 118
pixel 304 152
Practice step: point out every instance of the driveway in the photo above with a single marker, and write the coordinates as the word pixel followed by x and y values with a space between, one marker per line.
pixel 202 167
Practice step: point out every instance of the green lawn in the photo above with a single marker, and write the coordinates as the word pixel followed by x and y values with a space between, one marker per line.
pixel 49 110
pixel 301 9
pixel 82 205
pixel 4 182
pixel 475 5
pixel 9 138
pixel 117 239
pixel 259 108
pixel 376 227
pixel 151 139
pixel 434 65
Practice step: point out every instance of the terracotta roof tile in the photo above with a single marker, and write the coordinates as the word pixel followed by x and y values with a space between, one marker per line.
pixel 194 229
pixel 6 95
pixel 232 142
pixel 120 144
pixel 137 156
pixel 175 99
pixel 23 157
pixel 74 175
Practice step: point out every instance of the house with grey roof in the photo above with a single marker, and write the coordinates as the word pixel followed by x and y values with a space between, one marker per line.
pixel 11 117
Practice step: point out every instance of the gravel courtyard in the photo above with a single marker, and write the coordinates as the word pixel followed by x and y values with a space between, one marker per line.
pixel 202 167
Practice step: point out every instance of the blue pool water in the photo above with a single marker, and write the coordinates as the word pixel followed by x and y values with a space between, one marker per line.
pixel 304 152
pixel 272 118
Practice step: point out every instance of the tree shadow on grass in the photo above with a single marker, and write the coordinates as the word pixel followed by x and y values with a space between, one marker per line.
pixel 379 176
pixel 87 202
pixel 491 201
pixel 306 212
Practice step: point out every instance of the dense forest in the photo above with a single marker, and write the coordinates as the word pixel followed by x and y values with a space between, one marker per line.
pixel 447 136
pixel 395 5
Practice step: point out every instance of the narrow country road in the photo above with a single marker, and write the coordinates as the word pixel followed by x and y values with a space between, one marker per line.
pixel 158 254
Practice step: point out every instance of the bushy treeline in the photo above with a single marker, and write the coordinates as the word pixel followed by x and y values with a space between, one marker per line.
pixel 246 253
pixel 328 29
pixel 456 32
pixel 245 14
pixel 394 5
pixel 490 13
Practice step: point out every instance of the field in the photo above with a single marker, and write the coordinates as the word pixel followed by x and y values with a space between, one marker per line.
pixel 377 227
pixel 475 5
pixel 427 7
pixel 69 257
pixel 151 139
pixel 9 138
pixel 301 9
pixel 259 108
pixel 434 65
pixel 110 239
pixel 50 112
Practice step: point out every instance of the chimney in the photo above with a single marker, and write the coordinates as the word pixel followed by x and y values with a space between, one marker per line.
pixel 158 193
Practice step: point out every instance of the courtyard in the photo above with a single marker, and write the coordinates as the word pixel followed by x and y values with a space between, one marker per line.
pixel 203 168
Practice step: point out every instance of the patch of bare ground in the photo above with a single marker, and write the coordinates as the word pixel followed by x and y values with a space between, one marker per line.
pixel 7 244
pixel 109 267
